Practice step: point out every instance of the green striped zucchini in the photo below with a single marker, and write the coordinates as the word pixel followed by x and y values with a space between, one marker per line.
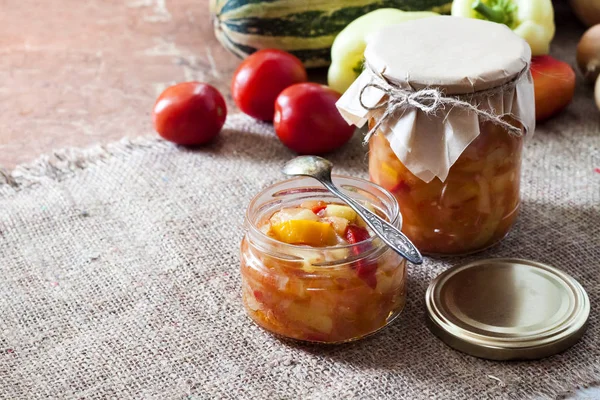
pixel 305 28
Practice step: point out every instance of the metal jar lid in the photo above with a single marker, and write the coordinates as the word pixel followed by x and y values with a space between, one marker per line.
pixel 507 309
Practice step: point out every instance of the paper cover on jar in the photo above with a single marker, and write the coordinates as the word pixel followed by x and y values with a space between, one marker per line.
pixel 445 76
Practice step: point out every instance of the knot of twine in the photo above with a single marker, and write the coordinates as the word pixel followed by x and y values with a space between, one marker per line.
pixel 431 100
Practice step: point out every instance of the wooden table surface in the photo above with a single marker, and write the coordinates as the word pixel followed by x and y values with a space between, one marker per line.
pixel 75 73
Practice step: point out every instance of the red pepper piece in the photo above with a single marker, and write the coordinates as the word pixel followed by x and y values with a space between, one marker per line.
pixel 401 187
pixel 365 271
pixel 318 207
pixel 356 234
pixel 258 296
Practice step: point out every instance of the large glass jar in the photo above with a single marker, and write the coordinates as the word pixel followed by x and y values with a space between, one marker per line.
pixel 317 294
pixel 447 120
pixel 472 209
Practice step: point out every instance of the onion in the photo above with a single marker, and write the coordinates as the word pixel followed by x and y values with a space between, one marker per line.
pixel 597 93
pixel 588 53
pixel 588 11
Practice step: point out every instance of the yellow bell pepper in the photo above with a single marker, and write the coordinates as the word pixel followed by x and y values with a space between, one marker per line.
pixel 533 20
pixel 349 45
pixel 312 233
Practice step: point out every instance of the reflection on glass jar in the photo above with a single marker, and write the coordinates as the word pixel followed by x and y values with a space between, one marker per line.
pixel 472 209
pixel 327 294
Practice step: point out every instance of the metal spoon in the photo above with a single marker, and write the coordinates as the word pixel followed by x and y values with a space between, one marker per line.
pixel 320 169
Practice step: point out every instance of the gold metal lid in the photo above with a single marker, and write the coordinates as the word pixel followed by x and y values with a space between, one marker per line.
pixel 507 309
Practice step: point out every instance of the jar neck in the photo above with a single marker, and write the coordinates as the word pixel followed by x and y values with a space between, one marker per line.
pixel 293 192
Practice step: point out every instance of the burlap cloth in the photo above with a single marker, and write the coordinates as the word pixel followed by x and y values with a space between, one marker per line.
pixel 119 277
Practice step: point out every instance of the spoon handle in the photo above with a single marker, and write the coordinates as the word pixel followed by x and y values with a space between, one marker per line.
pixel 386 231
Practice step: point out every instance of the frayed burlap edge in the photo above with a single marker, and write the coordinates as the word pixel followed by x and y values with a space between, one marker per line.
pixel 573 392
pixel 63 163
pixel 60 164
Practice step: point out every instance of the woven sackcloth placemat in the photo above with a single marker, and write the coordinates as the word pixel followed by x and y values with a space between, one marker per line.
pixel 119 277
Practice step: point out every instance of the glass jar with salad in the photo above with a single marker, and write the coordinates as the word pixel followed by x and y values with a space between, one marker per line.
pixel 312 270
pixel 448 102
pixel 472 209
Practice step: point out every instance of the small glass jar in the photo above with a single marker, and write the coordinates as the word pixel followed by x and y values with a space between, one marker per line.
pixel 317 294
pixel 472 209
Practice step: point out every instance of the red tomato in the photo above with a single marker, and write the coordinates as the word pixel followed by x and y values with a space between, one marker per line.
pixel 189 113
pixel 261 77
pixel 553 85
pixel 307 121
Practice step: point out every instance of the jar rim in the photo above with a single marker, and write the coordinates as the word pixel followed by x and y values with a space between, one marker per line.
pixel 394 218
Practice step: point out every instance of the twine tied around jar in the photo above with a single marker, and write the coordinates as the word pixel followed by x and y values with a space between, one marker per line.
pixel 431 100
